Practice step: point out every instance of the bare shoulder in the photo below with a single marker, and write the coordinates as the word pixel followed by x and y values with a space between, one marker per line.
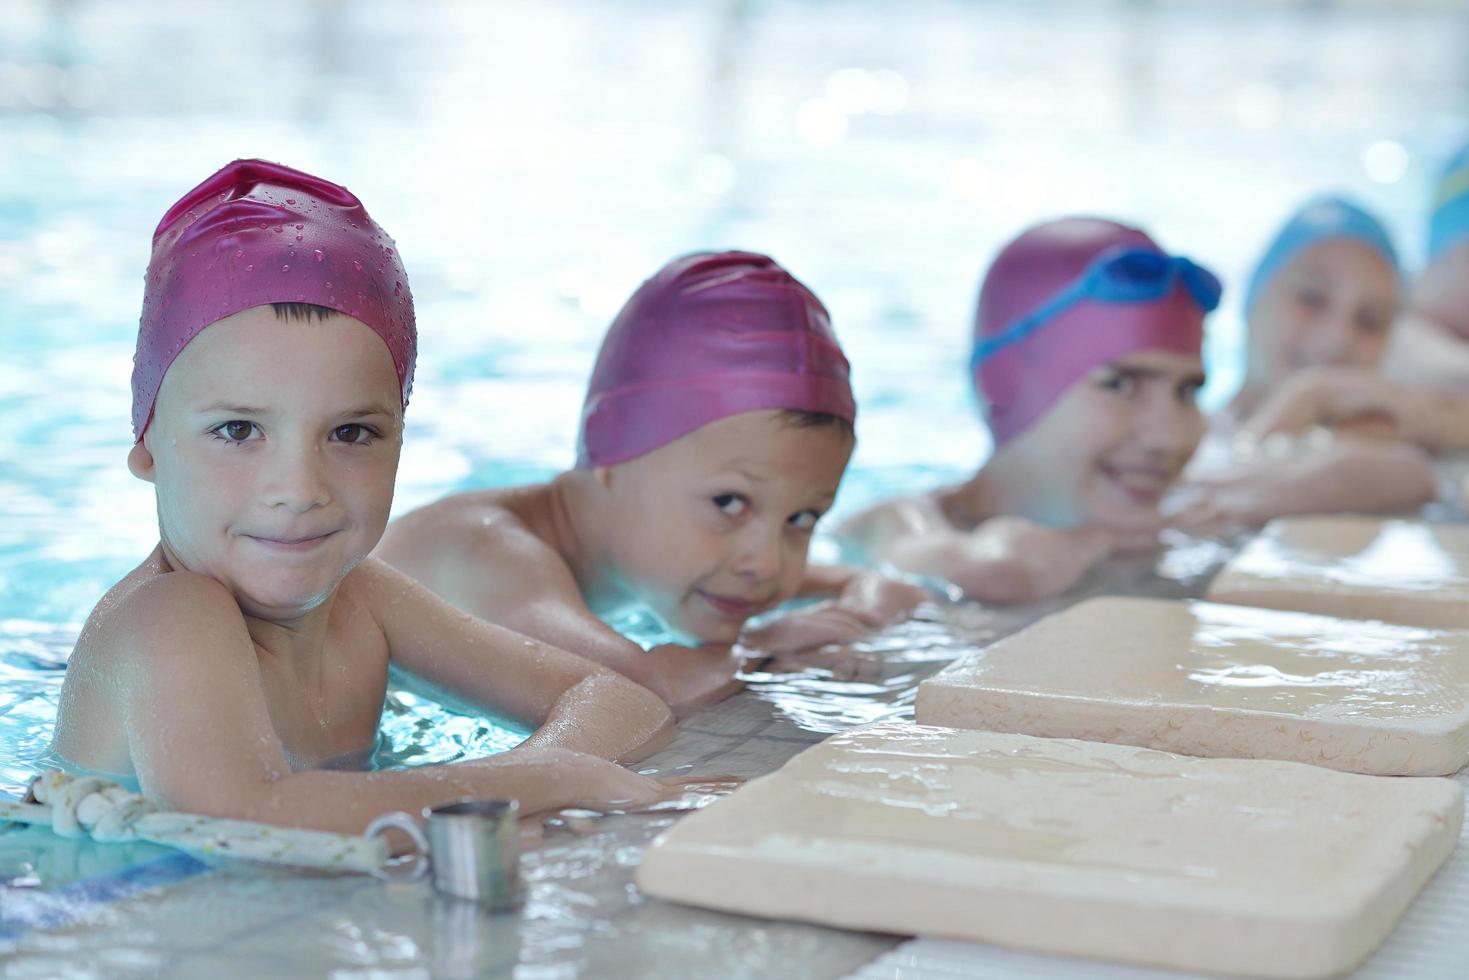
pixel 463 527
pixel 156 614
pixel 153 620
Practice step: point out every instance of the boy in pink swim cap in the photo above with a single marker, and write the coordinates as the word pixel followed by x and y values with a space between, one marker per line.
pixel 717 425
pixel 1086 360
pixel 248 654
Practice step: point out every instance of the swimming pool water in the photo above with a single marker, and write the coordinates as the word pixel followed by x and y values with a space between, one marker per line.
pixel 534 164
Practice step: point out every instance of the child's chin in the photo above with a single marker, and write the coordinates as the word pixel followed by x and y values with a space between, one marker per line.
pixel 284 602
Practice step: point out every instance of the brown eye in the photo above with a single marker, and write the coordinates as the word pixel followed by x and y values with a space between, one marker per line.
pixel 236 430
pixel 352 433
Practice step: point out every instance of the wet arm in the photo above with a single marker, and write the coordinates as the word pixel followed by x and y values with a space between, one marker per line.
pixel 1004 560
pixel 573 702
pixel 202 741
pixel 1350 476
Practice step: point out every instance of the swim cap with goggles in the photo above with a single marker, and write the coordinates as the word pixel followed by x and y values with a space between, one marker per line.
pixel 1449 224
pixel 1320 219
pixel 257 233
pixel 712 334
pixel 1071 295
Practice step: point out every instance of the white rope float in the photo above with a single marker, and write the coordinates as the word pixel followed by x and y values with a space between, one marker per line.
pixel 86 806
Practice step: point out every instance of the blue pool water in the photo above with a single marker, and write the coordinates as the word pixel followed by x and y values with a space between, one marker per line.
pixel 534 164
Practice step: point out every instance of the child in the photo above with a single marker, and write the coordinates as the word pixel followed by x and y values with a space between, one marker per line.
pixel 1320 308
pixel 1086 362
pixel 1324 294
pixel 717 425
pixel 1421 395
pixel 247 657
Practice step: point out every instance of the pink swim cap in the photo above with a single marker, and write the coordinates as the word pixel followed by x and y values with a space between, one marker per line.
pixel 1020 380
pixel 711 335
pixel 258 233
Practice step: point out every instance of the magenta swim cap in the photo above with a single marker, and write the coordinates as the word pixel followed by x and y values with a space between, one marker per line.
pixel 1023 377
pixel 711 335
pixel 258 233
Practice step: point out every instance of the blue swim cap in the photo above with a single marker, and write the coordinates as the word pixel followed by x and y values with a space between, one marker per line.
pixel 1450 220
pixel 1319 219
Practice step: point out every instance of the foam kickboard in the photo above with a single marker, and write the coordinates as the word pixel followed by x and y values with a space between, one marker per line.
pixel 1252 867
pixel 1399 571
pixel 1209 679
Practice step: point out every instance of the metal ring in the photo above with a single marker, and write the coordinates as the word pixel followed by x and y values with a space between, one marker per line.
pixel 409 867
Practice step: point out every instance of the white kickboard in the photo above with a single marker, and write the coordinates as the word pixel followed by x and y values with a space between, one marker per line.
pixel 1208 679
pixel 1358 567
pixel 1261 868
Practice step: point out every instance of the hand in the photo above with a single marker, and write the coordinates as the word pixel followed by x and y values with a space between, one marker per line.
pixel 843 661
pixel 880 598
pixel 1351 400
pixel 692 677
pixel 868 601
pixel 1217 512
pixel 813 626
pixel 554 779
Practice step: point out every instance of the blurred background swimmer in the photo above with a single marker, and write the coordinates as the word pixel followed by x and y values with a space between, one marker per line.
pixel 1320 307
pixel 1086 361
pixel 1420 395
pixel 1324 293
pixel 247 657
pixel 717 425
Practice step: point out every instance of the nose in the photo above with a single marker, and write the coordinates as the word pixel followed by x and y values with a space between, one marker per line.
pixel 1166 425
pixel 758 556
pixel 1331 342
pixel 296 478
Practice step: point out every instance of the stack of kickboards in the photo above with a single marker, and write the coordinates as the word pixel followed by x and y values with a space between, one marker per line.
pixel 1212 785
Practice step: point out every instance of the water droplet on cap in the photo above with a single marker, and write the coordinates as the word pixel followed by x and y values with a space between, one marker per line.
pixel 320 256
pixel 285 268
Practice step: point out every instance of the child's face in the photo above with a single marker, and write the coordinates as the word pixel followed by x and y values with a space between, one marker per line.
pixel 273 447
pixel 1332 304
pixel 1114 443
pixel 713 528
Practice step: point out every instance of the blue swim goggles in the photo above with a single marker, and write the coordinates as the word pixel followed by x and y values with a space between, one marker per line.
pixel 1118 275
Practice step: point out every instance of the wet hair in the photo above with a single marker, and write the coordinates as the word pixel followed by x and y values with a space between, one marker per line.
pixel 301 311
pixel 815 420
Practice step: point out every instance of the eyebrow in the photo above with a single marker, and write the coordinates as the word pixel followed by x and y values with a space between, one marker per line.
pixel 234 409
pixel 367 410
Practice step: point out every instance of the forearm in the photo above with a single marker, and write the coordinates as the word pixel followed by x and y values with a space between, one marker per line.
pixel 607 716
pixel 346 802
pixel 985 571
pixel 1349 477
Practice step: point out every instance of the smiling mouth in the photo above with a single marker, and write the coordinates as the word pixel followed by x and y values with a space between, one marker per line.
pixel 1145 486
pixel 731 608
pixel 290 545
